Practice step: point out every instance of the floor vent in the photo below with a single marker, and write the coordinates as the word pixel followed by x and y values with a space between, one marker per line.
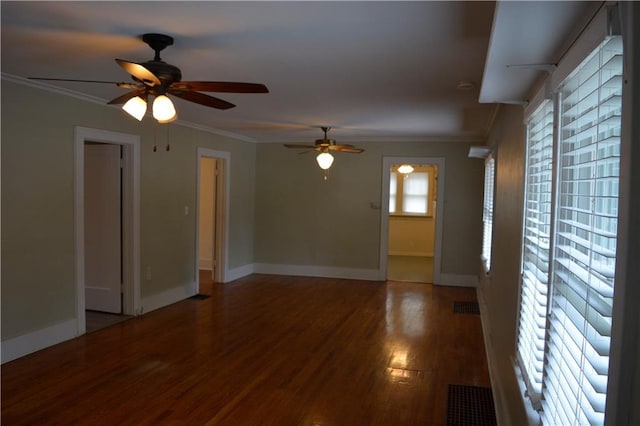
pixel 200 297
pixel 466 308
pixel 470 406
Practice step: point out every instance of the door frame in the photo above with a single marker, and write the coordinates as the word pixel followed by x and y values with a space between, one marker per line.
pixel 130 217
pixel 387 162
pixel 221 212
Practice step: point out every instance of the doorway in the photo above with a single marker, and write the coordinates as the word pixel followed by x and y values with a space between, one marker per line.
pixel 211 221
pixel 103 227
pixel 107 211
pixel 411 225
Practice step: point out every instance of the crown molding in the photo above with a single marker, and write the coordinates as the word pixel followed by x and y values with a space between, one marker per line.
pixel 96 100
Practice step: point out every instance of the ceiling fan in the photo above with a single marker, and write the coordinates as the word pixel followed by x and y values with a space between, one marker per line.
pixel 158 78
pixel 323 146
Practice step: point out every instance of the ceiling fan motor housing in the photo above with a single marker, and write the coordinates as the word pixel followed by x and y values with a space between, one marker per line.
pixel 325 142
pixel 167 73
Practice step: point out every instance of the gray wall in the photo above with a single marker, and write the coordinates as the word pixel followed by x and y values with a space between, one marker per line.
pixel 302 219
pixel 281 209
pixel 499 291
pixel 38 282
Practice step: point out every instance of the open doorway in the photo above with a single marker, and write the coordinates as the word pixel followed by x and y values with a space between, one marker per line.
pixel 411 225
pixel 211 221
pixel 412 202
pixel 107 227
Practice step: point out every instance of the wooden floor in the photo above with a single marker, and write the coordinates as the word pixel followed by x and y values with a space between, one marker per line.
pixel 264 350
pixel 417 269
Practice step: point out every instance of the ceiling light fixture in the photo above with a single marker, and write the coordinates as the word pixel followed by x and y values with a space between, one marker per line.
pixel 405 169
pixel 325 160
pixel 136 107
pixel 163 109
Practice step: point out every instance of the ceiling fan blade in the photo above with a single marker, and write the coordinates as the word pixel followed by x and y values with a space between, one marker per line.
pixel 202 99
pixel 117 83
pixel 220 86
pixel 299 145
pixel 345 148
pixel 139 72
pixel 124 98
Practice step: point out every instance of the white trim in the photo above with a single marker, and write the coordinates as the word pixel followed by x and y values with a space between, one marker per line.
pixel 387 162
pixel 239 272
pixel 410 253
pixel 457 280
pixel 131 206
pixel 598 29
pixel 54 89
pixel 622 387
pixel 104 102
pixel 317 271
pixel 205 264
pixel 496 384
pixel 226 171
pixel 168 297
pixel 39 339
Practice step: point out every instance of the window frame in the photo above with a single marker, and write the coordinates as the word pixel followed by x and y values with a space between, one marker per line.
pixel 399 194
pixel 575 378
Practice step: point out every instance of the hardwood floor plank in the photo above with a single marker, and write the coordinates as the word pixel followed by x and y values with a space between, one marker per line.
pixel 262 350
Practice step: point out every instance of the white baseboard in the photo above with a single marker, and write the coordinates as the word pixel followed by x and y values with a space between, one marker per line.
pixel 410 253
pixel 239 272
pixel 317 271
pixel 39 339
pixel 498 393
pixel 457 280
pixel 205 264
pixel 168 297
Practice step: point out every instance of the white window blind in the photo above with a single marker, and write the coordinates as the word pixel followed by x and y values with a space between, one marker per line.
pixel 415 193
pixel 535 248
pixel 487 215
pixel 393 185
pixel 583 265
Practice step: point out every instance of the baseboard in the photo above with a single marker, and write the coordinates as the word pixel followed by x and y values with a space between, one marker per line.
pixel 31 342
pixel 504 381
pixel 498 393
pixel 239 272
pixel 457 280
pixel 168 297
pixel 317 271
pixel 411 253
pixel 205 264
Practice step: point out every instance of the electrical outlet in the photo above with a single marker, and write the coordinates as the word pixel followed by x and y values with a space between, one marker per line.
pixel 147 273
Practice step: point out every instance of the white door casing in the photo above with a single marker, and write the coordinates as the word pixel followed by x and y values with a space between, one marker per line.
pixel 387 162
pixel 130 218
pixel 220 225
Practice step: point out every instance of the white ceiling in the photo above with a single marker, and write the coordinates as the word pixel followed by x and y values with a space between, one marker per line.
pixel 371 70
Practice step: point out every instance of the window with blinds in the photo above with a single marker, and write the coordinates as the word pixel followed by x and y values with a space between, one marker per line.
pixel 410 193
pixel 487 214
pixel 584 251
pixel 415 193
pixel 535 248
pixel 393 185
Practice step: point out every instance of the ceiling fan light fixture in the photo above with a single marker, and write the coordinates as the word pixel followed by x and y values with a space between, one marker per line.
pixel 163 109
pixel 136 107
pixel 325 160
pixel 405 169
